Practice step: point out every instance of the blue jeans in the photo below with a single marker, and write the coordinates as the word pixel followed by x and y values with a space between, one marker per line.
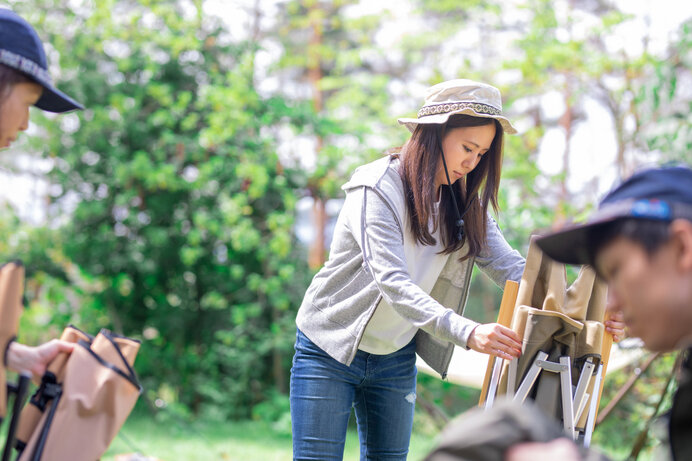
pixel 381 388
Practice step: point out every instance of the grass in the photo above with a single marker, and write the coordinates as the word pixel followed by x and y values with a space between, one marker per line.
pixel 173 440
pixel 232 441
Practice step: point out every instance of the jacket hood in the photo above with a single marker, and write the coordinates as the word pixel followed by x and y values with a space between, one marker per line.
pixel 370 174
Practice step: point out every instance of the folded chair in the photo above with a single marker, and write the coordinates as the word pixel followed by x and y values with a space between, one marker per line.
pixel 11 292
pixel 84 397
pixel 49 389
pixel 564 345
pixel 83 401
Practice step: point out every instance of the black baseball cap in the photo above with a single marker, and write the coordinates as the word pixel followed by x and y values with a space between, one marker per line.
pixel 22 49
pixel 660 194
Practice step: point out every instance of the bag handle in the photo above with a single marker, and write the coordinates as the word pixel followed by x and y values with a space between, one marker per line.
pixel 129 376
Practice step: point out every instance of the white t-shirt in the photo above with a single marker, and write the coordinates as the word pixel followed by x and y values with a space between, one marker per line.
pixel 387 331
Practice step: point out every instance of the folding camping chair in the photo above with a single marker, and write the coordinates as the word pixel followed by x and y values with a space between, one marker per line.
pixel 84 398
pixel 11 292
pixel 565 349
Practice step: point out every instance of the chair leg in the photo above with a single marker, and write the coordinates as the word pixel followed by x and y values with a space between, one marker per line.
pixel 590 420
pixel 504 318
pixel 580 395
pixel 572 405
pixel 494 382
pixel 567 403
pixel 512 377
pixel 530 379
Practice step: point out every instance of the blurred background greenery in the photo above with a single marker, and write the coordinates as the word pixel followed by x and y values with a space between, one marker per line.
pixel 191 202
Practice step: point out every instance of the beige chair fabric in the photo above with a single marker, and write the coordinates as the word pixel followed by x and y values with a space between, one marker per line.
pixel 559 320
pixel 41 400
pixel 84 398
pixel 99 390
pixel 11 292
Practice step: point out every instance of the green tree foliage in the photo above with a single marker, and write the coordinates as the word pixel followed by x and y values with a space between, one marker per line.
pixel 636 409
pixel 55 288
pixel 180 213
pixel 182 208
pixel 666 105
pixel 329 53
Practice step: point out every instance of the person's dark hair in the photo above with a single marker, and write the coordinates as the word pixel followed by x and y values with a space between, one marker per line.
pixel 649 233
pixel 420 160
pixel 8 78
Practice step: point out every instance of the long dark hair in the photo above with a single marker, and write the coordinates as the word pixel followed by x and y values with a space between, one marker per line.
pixel 420 160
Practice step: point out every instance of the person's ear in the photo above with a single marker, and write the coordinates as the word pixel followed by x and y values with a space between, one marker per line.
pixel 681 233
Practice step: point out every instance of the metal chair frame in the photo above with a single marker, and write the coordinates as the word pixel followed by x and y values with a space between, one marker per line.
pixel 573 399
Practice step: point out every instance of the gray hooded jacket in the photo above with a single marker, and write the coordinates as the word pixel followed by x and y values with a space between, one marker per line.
pixel 366 262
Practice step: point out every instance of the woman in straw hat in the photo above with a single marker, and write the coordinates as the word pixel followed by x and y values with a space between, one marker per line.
pixel 25 82
pixel 411 228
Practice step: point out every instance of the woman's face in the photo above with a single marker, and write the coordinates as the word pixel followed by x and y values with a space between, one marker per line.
pixel 14 110
pixel 463 148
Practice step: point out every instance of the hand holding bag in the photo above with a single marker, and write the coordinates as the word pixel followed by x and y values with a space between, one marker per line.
pixel 98 392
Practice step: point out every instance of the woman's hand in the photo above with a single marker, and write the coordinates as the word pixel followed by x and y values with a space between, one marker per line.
pixel 35 360
pixel 494 339
pixel 615 325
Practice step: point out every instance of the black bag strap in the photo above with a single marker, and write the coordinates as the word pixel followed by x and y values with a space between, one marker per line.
pixel 20 391
pixel 55 390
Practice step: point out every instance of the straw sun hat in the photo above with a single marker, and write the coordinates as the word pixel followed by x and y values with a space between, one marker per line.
pixel 460 96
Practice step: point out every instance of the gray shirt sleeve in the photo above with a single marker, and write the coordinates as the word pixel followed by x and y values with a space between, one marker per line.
pixel 377 229
pixel 497 259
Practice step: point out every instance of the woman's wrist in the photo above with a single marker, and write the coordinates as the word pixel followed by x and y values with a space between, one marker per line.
pixel 469 338
pixel 34 360
pixel 6 352
pixel 20 358
pixel 13 356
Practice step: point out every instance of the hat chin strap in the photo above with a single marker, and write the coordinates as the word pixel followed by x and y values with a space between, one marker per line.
pixel 460 217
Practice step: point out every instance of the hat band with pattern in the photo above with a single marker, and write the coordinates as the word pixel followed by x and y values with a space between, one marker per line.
pixel 25 65
pixel 479 108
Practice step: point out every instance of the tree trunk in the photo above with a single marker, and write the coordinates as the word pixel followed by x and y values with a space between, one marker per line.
pixel 566 122
pixel 317 248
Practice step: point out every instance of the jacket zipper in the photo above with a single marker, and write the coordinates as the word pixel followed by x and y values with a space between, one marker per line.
pixel 365 258
pixel 460 310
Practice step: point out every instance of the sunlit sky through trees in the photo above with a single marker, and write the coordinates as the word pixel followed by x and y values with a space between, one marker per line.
pixel 592 143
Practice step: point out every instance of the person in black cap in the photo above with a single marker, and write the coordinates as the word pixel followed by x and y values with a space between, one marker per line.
pixel 24 78
pixel 25 82
pixel 640 242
